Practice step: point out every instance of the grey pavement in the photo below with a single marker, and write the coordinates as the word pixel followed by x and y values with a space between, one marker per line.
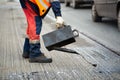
pixel 94 62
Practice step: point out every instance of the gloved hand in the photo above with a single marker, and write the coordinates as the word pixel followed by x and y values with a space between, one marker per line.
pixel 59 22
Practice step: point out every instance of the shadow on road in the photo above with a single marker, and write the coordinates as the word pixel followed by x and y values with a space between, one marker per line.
pixel 109 21
pixel 84 7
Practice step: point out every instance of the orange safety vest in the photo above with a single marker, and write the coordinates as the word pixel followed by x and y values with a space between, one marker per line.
pixel 43 5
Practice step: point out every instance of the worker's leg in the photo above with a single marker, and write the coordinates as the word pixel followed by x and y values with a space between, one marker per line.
pixel 33 31
pixel 26 48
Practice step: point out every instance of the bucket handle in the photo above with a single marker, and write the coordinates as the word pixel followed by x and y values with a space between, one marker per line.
pixel 75 33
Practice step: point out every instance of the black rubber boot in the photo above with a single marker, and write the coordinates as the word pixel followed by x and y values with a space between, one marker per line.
pixel 26 49
pixel 36 56
pixel 25 54
pixel 40 59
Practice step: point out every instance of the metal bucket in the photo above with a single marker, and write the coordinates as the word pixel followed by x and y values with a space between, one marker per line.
pixel 59 38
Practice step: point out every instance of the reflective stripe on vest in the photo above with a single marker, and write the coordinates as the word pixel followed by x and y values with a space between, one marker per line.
pixel 43 5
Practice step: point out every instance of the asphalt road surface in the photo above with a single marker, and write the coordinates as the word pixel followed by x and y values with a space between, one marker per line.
pixel 95 46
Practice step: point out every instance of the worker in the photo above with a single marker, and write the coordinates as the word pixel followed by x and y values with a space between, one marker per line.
pixel 35 11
